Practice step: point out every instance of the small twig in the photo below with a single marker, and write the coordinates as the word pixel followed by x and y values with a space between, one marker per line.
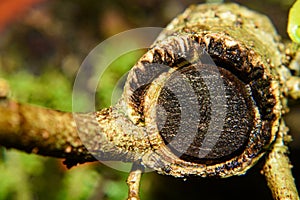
pixel 133 181
pixel 277 169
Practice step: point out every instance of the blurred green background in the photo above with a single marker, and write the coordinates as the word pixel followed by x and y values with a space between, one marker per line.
pixel 42 44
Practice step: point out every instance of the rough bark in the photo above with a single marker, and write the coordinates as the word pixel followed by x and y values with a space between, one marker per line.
pixel 42 131
pixel 110 135
pixel 277 169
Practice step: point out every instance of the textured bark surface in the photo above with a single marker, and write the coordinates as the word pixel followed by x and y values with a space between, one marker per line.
pixel 54 133
pixel 42 131
pixel 232 35
pixel 117 134
pixel 277 169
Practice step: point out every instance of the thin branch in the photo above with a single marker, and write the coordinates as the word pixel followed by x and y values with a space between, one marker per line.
pixel 277 169
pixel 42 131
pixel 133 181
pixel 79 137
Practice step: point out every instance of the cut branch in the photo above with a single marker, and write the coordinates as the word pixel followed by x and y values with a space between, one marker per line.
pixel 110 135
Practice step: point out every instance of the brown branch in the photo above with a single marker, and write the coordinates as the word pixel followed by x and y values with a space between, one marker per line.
pixel 277 168
pixel 42 131
pixel 110 135
pixel 106 135
pixel 133 181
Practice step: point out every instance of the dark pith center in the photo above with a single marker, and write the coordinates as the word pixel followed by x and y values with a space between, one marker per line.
pixel 205 114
